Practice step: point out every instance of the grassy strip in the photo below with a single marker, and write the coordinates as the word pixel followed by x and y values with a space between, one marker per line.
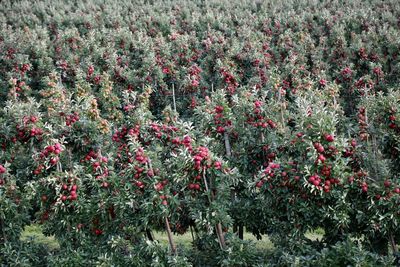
pixel 34 232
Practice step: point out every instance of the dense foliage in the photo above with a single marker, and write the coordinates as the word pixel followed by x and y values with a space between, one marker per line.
pixel 121 118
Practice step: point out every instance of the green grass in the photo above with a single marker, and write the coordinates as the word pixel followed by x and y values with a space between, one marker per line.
pixel 34 232
pixel 186 240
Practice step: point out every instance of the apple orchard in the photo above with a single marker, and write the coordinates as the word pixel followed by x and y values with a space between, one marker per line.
pixel 208 121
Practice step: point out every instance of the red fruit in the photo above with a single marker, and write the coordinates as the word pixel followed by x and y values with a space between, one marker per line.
pixel 98 231
pixel 353 143
pixel 96 165
pixel 377 197
pixel 191 186
pixel 50 148
pixel 63 198
pixel 259 184
pixel 392 125
pixel 397 190
pixel 329 138
pixel 220 129
pixel 139 184
pixel 104 185
pixel 364 188
pixel 219 109
pixel 34 119
pixel 320 149
pixel 64 187
pixel 299 135
pixel 217 165
pixel 33 132
pixel 73 196
pixel 271 124
pixel 53 161
pixel 1 182
pixel 74 187
pixel 392 118
pixel 386 183
pixel 321 158
pixel 44 198
pixel 159 186
pixel 197 187
pixel 2 169
pixel 164 202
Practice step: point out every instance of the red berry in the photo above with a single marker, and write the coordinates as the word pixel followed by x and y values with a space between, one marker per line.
pixel 386 183
pixel 63 198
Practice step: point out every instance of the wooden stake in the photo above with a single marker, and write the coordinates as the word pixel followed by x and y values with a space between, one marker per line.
pixel 218 227
pixel 393 244
pixel 167 225
pixel 173 96
pixel 227 145
pixel 170 237
pixel 149 235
